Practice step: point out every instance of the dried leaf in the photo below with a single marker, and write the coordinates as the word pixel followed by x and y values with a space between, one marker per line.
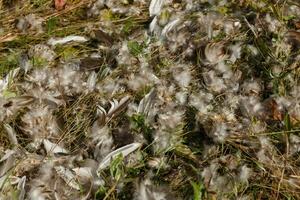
pixel 59 4
pixel 125 151
pixel 293 37
pixel 272 110
pixel 297 25
pixel 103 37
pixel 89 64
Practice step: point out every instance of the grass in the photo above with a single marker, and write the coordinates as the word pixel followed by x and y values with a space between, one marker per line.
pixel 8 62
pixel 78 117
pixel 135 48
pixel 140 126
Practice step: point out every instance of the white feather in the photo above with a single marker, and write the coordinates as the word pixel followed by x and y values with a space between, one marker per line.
pixel 155 7
pixel 53 148
pixel 147 103
pixel 125 151
pixel 8 162
pixel 153 27
pixel 83 172
pixel 170 26
pixel 3 179
pixel 91 82
pixel 70 38
pixel 21 188
pixel 9 78
pixel 117 107
pixel 67 176
pixel 11 134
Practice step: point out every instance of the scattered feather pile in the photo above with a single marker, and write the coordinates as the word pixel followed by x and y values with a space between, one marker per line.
pixel 149 100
